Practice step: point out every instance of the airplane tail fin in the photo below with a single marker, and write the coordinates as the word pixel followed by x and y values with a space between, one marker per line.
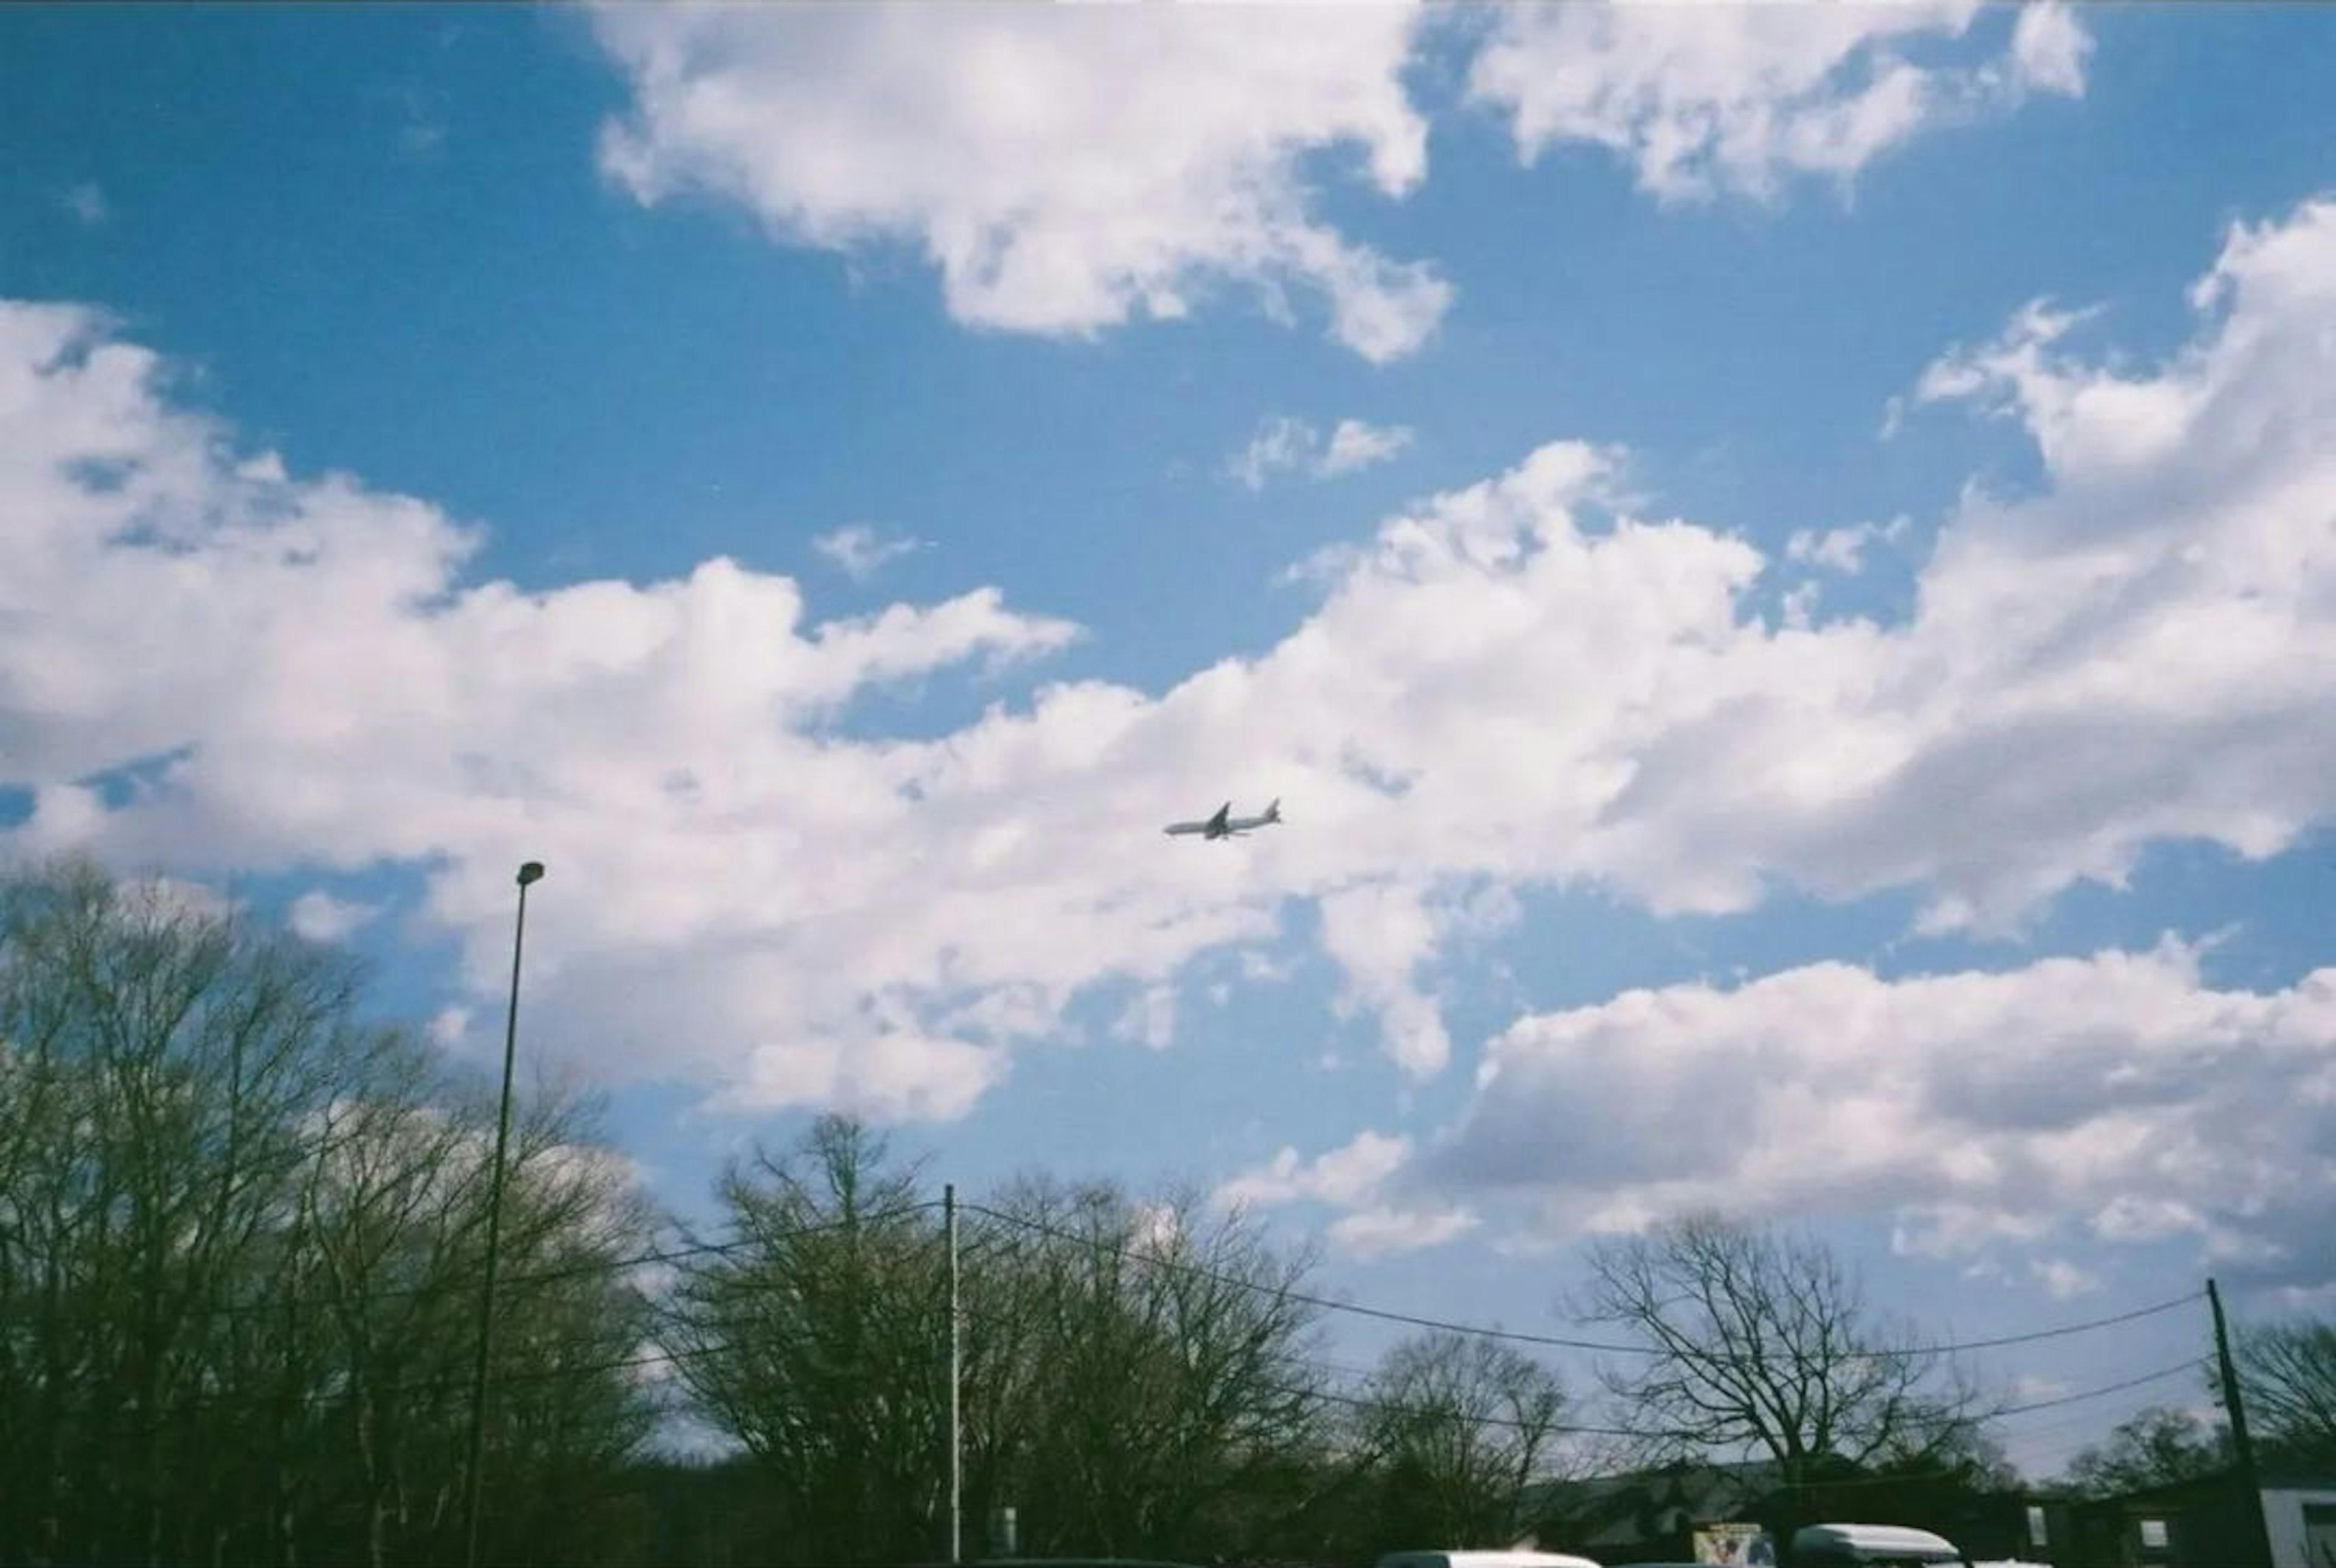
pixel 1273 812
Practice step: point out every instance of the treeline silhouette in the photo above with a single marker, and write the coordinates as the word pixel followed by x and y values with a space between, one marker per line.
pixel 242 1238
pixel 242 1235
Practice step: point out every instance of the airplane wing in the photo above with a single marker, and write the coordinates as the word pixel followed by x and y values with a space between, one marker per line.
pixel 1217 822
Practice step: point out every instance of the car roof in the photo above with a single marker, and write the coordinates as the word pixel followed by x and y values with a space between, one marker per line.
pixel 1874 1538
pixel 1059 1562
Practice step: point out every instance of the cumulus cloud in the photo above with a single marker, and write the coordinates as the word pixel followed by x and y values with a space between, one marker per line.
pixel 894 1073
pixel 2136 651
pixel 2139 649
pixel 2062 1279
pixel 859 551
pixel 1150 1018
pixel 1385 1232
pixel 322 918
pixel 1842 549
pixel 1710 101
pixel 205 664
pixel 280 673
pixel 2117 1097
pixel 1281 444
pixel 1352 1178
pixel 1356 444
pixel 449 1026
pixel 1286 445
pixel 1065 168
pixel 1380 934
pixel 1345 1177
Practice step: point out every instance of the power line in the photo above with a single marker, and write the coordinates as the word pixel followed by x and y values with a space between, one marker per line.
pixel 667 1356
pixel 1144 1255
pixel 2060 1450
pixel 2054 1404
pixel 1558 1341
pixel 1303 1298
pixel 2067 1329
pixel 658 1354
pixel 675 1356
pixel 1365 1400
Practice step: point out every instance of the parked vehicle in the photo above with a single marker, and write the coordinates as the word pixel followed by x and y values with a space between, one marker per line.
pixel 1057 1563
pixel 1860 1545
pixel 1491 1558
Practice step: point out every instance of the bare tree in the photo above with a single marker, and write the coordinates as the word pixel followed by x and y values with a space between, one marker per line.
pixel 1762 1343
pixel 161 1054
pixel 1172 1382
pixel 2287 1376
pixel 813 1339
pixel 393 1222
pixel 1460 1428
pixel 239 1246
pixel 1963 1454
pixel 1135 1374
pixel 2155 1447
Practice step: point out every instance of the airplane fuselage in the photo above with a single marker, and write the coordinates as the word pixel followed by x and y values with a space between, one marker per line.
pixel 1224 824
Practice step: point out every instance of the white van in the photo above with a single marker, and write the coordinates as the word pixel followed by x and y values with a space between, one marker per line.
pixel 1894 1545
pixel 1512 1558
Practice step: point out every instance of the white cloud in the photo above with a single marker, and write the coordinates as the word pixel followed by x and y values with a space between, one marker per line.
pixel 87 203
pixel 449 1026
pixel 2138 651
pixel 1346 1177
pixel 1065 168
pixel 1151 1018
pixel 2066 1099
pixel 303 682
pixel 1380 934
pixel 1704 101
pixel 1842 549
pixel 1357 445
pixel 895 1074
pixel 1799 606
pixel 1352 1178
pixel 1521 681
pixel 322 918
pixel 2049 50
pixel 2062 1279
pixel 1283 444
pixel 861 552
pixel 1385 1232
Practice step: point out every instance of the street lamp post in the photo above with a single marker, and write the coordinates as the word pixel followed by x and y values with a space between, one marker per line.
pixel 531 873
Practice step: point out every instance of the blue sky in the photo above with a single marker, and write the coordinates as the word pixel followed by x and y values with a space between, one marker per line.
pixel 1795 647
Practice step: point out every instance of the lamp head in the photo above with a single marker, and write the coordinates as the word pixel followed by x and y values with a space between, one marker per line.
pixel 532 872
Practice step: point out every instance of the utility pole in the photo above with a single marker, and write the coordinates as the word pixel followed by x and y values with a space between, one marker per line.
pixel 956 1464
pixel 532 872
pixel 2242 1449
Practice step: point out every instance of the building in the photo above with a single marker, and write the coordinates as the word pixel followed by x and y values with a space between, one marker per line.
pixel 2206 1522
pixel 2300 1513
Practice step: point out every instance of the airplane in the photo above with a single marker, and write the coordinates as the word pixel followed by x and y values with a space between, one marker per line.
pixel 1225 825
